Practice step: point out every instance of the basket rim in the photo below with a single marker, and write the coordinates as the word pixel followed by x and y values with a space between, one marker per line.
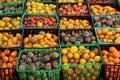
pixel 34 50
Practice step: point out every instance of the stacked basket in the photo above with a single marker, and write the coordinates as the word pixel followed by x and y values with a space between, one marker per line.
pixel 106 26
pixel 11 37
pixel 59 39
pixel 78 43
pixel 40 38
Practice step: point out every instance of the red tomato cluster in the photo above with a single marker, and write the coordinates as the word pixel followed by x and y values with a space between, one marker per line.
pixel 36 21
pixel 73 10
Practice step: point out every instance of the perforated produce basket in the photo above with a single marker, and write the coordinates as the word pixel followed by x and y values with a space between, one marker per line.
pixel 43 8
pixel 16 5
pixel 8 73
pixel 72 1
pixel 101 1
pixel 81 71
pixel 40 16
pixel 76 18
pixel 81 12
pixel 80 36
pixel 12 1
pixel 38 74
pixel 13 32
pixel 11 24
pixel 110 71
pixel 45 1
pixel 113 5
pixel 36 31
pixel 114 22
pixel 106 43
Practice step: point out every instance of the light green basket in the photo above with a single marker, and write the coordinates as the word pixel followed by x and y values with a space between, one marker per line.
pixel 82 71
pixel 38 74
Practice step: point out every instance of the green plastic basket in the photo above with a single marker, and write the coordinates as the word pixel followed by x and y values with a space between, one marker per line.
pixel 119 4
pixel 46 1
pixel 102 16
pixel 11 4
pixel 82 71
pixel 38 15
pixel 38 74
pixel 79 31
pixel 99 42
pixel 12 19
pixel 52 3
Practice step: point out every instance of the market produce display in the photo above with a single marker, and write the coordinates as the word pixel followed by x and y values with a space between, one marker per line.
pixel 40 8
pixel 80 55
pixel 4 1
pixel 11 8
pixel 111 56
pixel 73 9
pixel 43 0
pixel 37 61
pixel 68 23
pixel 77 37
pixel 84 57
pixel 40 21
pixel 70 1
pixel 100 1
pixel 107 35
pixel 7 23
pixel 107 21
pixel 102 10
pixel 59 39
pixel 41 40
pixel 8 60
pixel 8 40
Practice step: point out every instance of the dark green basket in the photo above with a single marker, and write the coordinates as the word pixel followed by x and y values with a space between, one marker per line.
pixel 113 5
pixel 38 74
pixel 82 70
pixel 38 15
pixel 11 4
pixel 80 31
pixel 6 72
pixel 110 71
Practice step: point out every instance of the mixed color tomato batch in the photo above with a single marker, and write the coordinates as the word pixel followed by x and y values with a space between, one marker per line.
pixel 59 39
